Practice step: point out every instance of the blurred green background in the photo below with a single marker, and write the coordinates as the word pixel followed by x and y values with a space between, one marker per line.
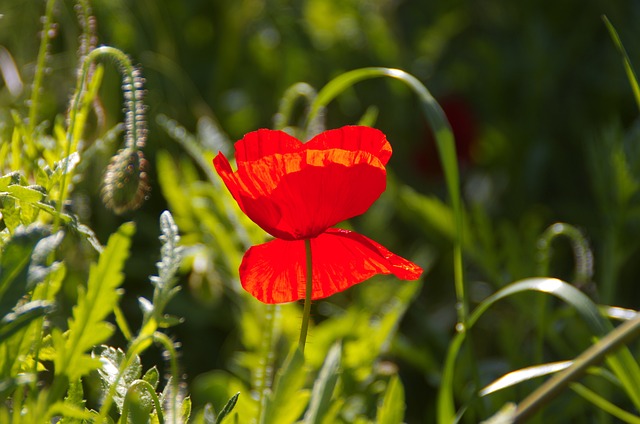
pixel 536 93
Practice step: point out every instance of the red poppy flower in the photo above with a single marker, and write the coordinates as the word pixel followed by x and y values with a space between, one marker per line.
pixel 297 191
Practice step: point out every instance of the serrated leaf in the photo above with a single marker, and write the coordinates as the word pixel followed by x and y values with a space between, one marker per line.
pixel 75 399
pixel 24 194
pixel 112 361
pixel 164 284
pixel 391 411
pixel 324 386
pixel 288 386
pixel 227 409
pixel 10 213
pixel 86 326
pixel 174 404
pixel 9 179
pixel 71 411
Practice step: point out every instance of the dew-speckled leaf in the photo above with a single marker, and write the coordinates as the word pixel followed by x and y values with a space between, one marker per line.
pixel 112 360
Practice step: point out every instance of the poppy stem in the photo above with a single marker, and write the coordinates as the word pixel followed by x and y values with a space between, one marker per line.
pixel 307 298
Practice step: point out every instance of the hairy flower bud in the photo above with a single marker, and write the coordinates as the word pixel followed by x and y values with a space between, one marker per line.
pixel 126 181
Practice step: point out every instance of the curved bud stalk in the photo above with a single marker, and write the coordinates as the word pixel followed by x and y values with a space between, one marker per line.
pixel 125 184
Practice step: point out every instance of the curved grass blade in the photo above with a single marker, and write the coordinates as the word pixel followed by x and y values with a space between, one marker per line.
pixel 560 289
pixel 631 75
pixel 604 404
pixel 444 140
pixel 323 387
pixel 524 374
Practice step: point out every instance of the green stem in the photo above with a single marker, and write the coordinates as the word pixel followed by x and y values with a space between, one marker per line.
pixel 307 298
pixel 285 111
pixel 592 356
pixel 151 392
pixel 263 376
pixel 47 27
pixel 164 340
pixel 131 106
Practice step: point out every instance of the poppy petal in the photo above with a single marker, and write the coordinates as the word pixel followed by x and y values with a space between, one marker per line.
pixel 258 144
pixel 275 272
pixel 353 138
pixel 299 195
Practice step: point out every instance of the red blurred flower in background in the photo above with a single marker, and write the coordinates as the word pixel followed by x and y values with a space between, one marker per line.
pixel 297 191
pixel 464 125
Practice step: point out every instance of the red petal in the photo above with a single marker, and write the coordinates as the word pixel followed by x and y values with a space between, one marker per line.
pixel 354 138
pixel 258 144
pixel 299 195
pixel 275 272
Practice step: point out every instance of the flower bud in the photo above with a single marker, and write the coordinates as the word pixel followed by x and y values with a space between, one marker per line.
pixel 126 183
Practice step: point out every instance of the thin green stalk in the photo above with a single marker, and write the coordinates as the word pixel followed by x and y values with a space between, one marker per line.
pixel 307 298
pixel 590 357
pixel 47 29
pixel 131 105
pixel 293 93
pixel 164 340
pixel 151 392
pixel 263 379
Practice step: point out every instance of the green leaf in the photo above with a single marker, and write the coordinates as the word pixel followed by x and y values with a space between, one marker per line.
pixel 110 372
pixel 24 194
pixel 74 399
pixel 164 284
pixel 286 403
pixel 604 404
pixel 87 327
pixel 227 408
pixel 14 263
pixel 324 386
pixel 176 406
pixel 23 316
pixel 152 376
pixel 391 411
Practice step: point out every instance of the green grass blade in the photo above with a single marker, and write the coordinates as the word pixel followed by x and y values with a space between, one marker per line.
pixel 288 400
pixel 566 292
pixel 323 386
pixel 631 75
pixel 604 404
pixel 391 411
pixel 524 374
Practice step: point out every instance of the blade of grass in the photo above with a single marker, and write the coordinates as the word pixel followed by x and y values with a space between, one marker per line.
pixel 566 292
pixel 444 141
pixel 631 75
pixel 604 404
